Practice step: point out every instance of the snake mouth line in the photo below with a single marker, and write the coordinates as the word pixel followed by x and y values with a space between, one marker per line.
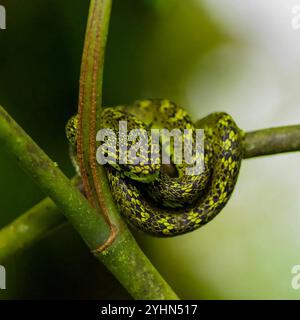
pixel 141 147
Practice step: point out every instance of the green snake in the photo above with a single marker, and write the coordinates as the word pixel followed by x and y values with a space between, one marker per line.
pixel 160 199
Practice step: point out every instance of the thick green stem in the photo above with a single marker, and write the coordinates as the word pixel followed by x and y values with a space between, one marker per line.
pixel 90 100
pixel 271 141
pixel 52 181
pixel 29 228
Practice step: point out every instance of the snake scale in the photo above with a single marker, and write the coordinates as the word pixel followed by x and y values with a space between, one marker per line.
pixel 161 199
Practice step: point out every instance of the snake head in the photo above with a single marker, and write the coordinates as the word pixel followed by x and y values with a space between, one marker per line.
pixel 127 145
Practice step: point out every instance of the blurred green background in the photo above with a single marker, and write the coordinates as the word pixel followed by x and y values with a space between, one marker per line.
pixel 207 55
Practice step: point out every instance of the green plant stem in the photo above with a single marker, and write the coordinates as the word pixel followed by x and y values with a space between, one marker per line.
pixel 90 105
pixel 272 141
pixel 52 181
pixel 29 228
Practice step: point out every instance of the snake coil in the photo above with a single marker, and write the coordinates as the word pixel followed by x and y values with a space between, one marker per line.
pixel 156 201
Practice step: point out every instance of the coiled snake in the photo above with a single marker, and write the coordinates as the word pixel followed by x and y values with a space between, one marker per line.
pixel 161 199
